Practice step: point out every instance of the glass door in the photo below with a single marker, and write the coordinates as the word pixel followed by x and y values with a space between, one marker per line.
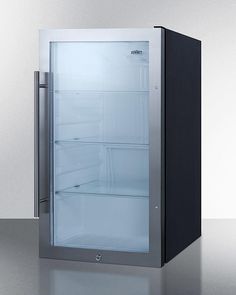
pixel 100 145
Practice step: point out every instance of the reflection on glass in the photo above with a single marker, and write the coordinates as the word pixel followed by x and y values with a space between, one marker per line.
pixel 181 276
pixel 101 145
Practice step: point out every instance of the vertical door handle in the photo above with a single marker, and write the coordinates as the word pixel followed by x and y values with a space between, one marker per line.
pixel 41 141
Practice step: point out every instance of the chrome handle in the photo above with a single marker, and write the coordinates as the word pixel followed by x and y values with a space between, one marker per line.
pixel 41 141
pixel 36 141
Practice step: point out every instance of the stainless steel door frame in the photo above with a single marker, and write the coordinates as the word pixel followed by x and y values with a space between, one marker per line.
pixel 154 256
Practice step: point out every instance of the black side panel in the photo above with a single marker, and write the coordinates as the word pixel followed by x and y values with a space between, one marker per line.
pixel 182 141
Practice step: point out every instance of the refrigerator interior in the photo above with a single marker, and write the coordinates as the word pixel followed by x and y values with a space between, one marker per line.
pixel 100 145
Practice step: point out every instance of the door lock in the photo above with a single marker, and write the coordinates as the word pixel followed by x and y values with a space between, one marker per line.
pixel 98 257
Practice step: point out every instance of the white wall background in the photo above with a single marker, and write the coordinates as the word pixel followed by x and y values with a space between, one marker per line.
pixel 212 21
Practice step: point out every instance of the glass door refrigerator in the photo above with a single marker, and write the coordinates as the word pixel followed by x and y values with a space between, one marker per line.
pixel 117 144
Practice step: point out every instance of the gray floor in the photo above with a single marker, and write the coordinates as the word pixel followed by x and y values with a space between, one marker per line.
pixel 208 266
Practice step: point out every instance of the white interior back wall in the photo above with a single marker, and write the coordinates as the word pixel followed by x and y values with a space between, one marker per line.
pixel 213 22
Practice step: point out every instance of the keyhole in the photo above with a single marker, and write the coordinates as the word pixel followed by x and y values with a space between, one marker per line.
pixel 98 257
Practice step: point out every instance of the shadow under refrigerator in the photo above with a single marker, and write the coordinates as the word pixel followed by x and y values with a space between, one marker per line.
pixel 118 145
